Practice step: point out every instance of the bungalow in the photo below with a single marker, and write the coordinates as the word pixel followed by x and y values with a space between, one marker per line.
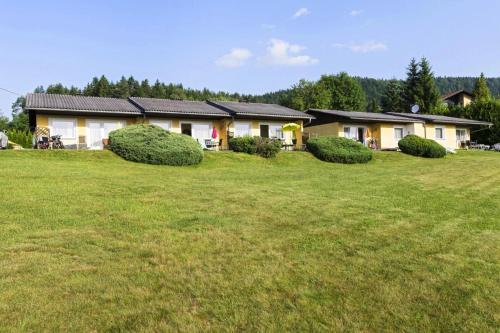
pixel 384 130
pixel 83 121
pixel 460 97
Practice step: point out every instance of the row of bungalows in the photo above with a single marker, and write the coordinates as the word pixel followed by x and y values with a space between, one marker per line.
pixel 83 121
pixel 384 130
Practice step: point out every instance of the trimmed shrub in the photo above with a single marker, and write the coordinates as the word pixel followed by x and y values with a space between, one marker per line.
pixel 266 147
pixel 417 146
pixel 339 150
pixel 152 144
pixel 243 144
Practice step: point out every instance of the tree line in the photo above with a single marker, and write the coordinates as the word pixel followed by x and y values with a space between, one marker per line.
pixel 337 91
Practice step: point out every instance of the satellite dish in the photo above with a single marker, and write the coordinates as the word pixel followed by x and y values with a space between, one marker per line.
pixel 415 108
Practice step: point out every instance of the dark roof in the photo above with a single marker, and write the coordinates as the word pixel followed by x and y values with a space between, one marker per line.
pixel 54 102
pixel 155 105
pixel 441 119
pixel 365 116
pixel 260 110
pixel 454 93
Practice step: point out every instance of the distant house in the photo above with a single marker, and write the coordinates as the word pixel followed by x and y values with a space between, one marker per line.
pixel 85 121
pixel 386 129
pixel 460 97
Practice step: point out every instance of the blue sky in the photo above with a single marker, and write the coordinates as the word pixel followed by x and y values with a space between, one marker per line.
pixel 240 46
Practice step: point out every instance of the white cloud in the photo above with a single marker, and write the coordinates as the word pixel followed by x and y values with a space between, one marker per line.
pixel 301 12
pixel 355 12
pixel 280 52
pixel 363 47
pixel 266 26
pixel 235 58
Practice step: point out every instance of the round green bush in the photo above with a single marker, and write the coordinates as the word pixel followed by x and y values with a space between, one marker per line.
pixel 417 146
pixel 243 144
pixel 340 150
pixel 152 144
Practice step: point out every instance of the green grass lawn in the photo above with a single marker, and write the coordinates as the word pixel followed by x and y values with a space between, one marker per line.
pixel 89 242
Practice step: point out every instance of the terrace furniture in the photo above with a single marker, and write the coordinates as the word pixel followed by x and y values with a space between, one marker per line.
pixel 496 147
pixel 211 144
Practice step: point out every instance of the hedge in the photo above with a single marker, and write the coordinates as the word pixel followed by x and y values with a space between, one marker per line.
pixel 339 150
pixel 265 147
pixel 417 146
pixel 152 144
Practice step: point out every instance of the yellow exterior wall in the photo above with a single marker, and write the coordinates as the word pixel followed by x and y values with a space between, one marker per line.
pixel 450 137
pixel 222 126
pixel 331 129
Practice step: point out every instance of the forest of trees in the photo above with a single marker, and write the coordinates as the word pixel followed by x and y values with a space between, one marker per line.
pixel 339 91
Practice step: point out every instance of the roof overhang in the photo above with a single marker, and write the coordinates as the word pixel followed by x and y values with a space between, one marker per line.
pixel 271 116
pixel 85 112
pixel 180 114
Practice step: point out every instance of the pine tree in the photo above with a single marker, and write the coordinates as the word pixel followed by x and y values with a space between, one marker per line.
pixel 412 87
pixel 428 94
pixel 103 88
pixel 393 98
pixel 481 92
pixel 91 88
pixel 158 90
pixel 121 88
pixel 146 88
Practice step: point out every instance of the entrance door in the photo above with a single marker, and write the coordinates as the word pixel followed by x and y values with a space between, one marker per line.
pixel 186 129
pixel 361 134
pixel 264 131
pixel 98 130
pixel 201 132
pixel 94 138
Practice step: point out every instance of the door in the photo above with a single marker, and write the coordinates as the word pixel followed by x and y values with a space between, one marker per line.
pixel 97 130
pixel 201 132
pixel 186 129
pixel 264 131
pixel 94 137
pixel 361 134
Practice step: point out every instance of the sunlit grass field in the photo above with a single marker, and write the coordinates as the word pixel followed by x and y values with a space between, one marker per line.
pixel 89 242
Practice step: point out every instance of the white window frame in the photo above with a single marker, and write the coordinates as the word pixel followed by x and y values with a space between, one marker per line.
pixel 443 131
pixel 156 121
pixel 236 135
pixel 55 119
pixel 465 134
pixel 273 126
pixel 101 122
pixel 357 127
pixel 402 132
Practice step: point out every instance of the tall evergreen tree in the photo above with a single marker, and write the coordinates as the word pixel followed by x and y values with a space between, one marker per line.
pixel 121 88
pixel 412 87
pixel 393 98
pixel 103 87
pixel 158 90
pixel 429 97
pixel 481 92
pixel 146 88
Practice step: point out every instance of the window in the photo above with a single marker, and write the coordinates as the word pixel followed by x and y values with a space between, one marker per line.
pixel 264 131
pixel 66 128
pixel 276 131
pixel 165 124
pixel 398 133
pixel 439 133
pixel 347 132
pixel 242 129
pixel 461 135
